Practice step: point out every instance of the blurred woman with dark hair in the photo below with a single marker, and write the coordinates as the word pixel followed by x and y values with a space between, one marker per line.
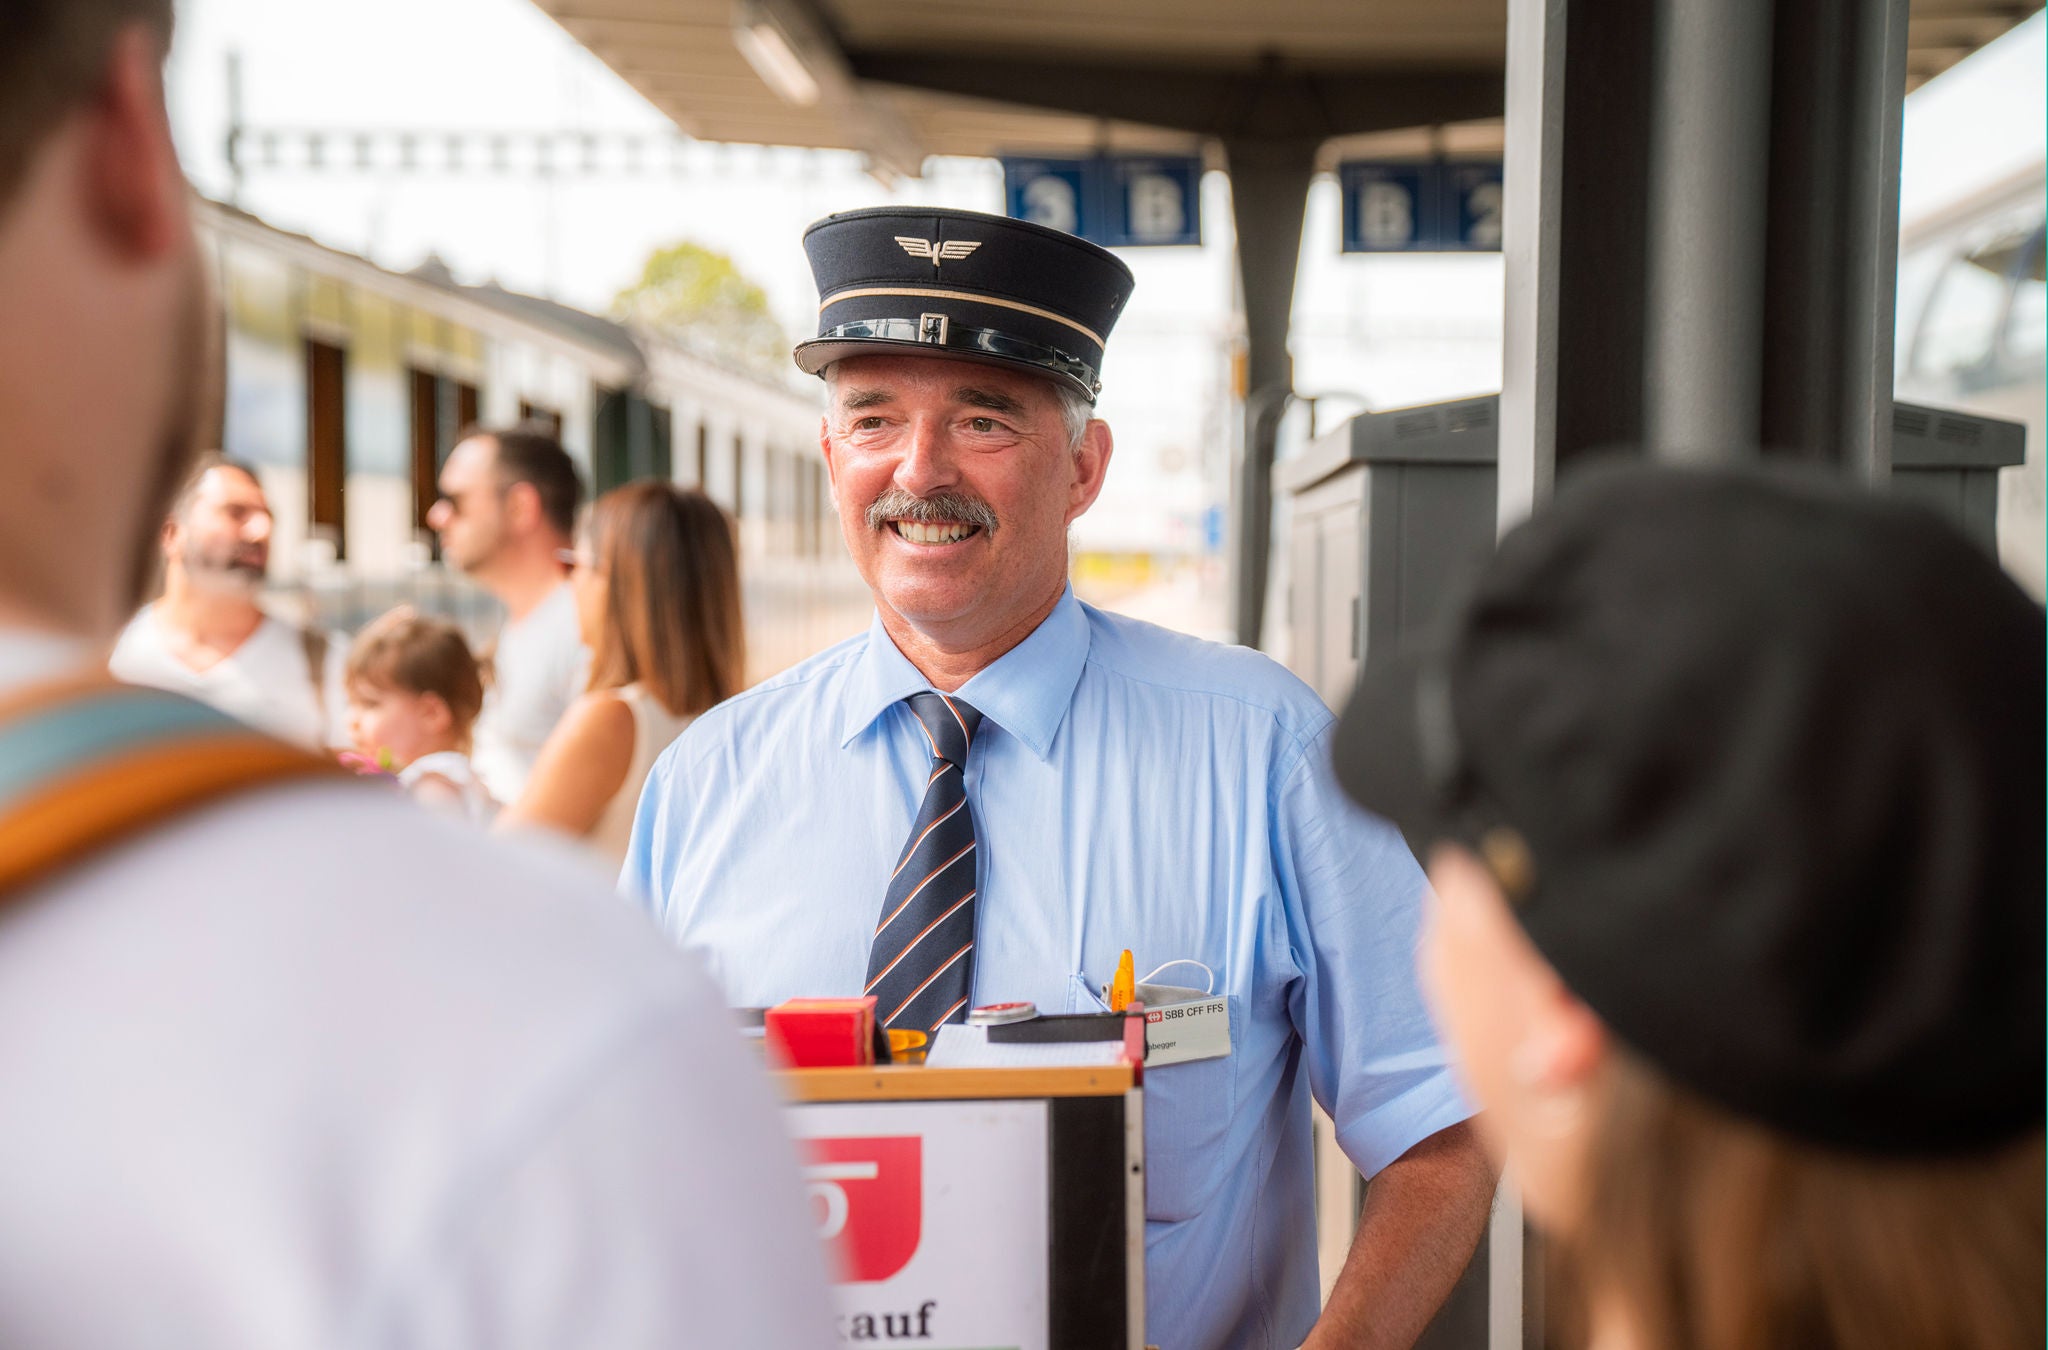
pixel 656 578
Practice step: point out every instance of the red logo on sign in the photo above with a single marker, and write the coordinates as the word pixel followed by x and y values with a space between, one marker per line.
pixel 868 1198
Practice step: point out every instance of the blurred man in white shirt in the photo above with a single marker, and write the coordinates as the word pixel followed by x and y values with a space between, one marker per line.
pixel 306 1066
pixel 207 637
pixel 506 515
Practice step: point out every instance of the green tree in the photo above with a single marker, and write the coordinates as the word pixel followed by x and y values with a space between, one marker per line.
pixel 702 298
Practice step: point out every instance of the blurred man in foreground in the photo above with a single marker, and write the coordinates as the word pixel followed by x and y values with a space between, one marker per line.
pixel 208 638
pixel 506 518
pixel 300 1067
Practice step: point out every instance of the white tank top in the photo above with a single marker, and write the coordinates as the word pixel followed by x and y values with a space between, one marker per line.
pixel 653 728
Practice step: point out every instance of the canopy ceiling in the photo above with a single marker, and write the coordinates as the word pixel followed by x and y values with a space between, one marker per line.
pixel 900 79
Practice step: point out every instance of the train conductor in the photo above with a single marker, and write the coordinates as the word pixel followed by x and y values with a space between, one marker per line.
pixel 997 788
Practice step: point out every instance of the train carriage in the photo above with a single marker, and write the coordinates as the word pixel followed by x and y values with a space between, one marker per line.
pixel 346 384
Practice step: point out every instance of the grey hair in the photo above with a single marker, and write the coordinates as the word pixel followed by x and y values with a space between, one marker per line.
pixel 1076 411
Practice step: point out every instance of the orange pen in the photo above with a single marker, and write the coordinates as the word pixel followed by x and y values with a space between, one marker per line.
pixel 1125 984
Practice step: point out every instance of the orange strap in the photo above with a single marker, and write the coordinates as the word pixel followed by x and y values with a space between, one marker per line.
pixel 86 763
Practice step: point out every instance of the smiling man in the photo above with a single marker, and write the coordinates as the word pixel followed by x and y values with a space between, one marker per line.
pixel 997 788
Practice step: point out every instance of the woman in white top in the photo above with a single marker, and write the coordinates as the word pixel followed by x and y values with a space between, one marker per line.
pixel 656 577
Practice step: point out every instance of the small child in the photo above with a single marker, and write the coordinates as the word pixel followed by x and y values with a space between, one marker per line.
pixel 414 692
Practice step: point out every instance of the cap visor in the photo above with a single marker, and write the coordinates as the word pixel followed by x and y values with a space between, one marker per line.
pixel 1377 752
pixel 812 357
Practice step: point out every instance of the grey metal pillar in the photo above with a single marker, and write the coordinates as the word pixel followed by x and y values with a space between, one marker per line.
pixel 1709 152
pixel 1831 270
pixel 1269 181
pixel 1701 232
pixel 1579 87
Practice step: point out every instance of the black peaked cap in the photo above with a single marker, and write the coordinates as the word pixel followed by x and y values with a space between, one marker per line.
pixel 962 285
pixel 1759 759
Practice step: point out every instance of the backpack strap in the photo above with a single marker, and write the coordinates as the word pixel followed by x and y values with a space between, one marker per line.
pixel 88 762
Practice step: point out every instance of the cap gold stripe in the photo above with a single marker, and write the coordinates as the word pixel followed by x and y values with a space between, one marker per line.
pixel 969 296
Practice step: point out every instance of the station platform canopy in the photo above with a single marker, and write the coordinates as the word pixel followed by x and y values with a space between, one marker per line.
pixel 901 79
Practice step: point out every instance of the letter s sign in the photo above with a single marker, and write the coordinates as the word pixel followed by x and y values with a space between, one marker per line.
pixel 868 1198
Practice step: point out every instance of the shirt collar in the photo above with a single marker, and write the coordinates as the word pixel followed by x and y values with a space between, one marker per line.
pixel 1026 691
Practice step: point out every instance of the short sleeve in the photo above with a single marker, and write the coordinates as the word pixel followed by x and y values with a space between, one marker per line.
pixel 649 871
pixel 1353 895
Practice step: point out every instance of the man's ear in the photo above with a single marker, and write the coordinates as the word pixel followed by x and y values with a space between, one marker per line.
pixel 1091 467
pixel 825 448
pixel 522 507
pixel 135 192
pixel 168 537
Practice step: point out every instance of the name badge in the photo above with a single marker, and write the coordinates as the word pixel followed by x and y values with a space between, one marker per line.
pixel 1183 1024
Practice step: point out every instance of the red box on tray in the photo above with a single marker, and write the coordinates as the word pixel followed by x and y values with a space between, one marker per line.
pixel 822 1033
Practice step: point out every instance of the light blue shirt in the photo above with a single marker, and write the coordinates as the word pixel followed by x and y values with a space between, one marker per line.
pixel 1131 787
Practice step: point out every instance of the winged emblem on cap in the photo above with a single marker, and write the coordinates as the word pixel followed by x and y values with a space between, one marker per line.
pixel 950 251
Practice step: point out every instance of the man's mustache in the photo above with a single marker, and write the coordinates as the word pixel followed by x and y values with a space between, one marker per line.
pixel 941 508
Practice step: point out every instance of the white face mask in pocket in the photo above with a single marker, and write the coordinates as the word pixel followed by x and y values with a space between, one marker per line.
pixel 1181 1023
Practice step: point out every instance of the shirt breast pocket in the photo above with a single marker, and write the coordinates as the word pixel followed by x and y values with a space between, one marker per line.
pixel 1188 1107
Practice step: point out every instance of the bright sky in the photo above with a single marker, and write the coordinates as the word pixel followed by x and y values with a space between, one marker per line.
pixel 1385 330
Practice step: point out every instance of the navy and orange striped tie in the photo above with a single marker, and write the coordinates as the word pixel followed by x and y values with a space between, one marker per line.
pixel 921 966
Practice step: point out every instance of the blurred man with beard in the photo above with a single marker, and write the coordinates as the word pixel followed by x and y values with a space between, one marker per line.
pixel 298 1065
pixel 206 636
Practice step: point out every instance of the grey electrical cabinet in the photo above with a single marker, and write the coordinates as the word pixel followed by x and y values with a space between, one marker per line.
pixel 1950 460
pixel 1392 512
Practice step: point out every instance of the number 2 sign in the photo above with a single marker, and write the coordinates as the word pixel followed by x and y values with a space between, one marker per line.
pixel 1421 206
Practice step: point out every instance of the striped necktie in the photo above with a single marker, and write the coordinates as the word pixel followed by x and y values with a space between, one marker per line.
pixel 921 966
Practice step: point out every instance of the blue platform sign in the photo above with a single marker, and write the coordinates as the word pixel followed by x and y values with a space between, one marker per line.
pixel 1412 206
pixel 1389 208
pixel 1055 193
pixel 1472 207
pixel 1118 201
pixel 1153 201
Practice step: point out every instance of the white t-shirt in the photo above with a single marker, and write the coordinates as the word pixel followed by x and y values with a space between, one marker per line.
pixel 538 668
pixel 266 682
pixel 315 1068
pixel 476 805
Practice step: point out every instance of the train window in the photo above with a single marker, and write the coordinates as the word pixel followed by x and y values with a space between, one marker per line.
pixel 426 450
pixel 326 441
pixel 1960 327
pixel 547 417
pixel 2026 326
